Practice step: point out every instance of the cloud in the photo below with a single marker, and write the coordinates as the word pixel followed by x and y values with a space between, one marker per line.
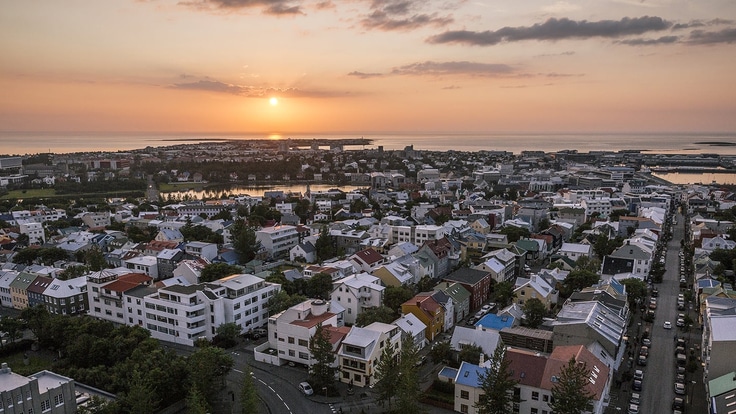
pixel 210 85
pixel 566 53
pixel 451 87
pixel 276 7
pixel 556 29
pixel 389 15
pixel 430 68
pixel 650 42
pixel 364 75
pixel 701 37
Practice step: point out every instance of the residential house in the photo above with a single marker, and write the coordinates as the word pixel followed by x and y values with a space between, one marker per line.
pixel 36 289
pixel 367 260
pixel 361 349
pixel 477 282
pixel 428 310
pixel 356 293
pixel 143 264
pixel 19 289
pixel 574 251
pixel 67 297
pixel 404 271
pixel 719 336
pixel 413 328
pixel 487 340
pixel 501 263
pixel 201 249
pixel 641 259
pixel 167 260
pixel 535 287
pixel 303 251
pixel 460 299
pixel 105 291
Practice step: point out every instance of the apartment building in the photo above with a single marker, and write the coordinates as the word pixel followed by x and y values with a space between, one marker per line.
pixel 105 291
pixel 278 240
pixel 42 392
pixel 356 293
pixel 361 349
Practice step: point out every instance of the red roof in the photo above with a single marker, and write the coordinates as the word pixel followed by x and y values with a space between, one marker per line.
pixel 128 281
pixel 312 320
pixel 561 355
pixel 337 334
pixel 368 256
pixel 526 367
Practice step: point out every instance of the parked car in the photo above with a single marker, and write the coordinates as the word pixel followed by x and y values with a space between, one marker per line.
pixel 667 325
pixel 305 388
pixel 639 374
pixel 633 409
pixel 421 361
pixel 680 322
pixel 471 321
pixel 642 360
pixel 678 403
pixel 635 398
pixel 637 385
pixel 679 388
pixel 646 341
pixel 644 351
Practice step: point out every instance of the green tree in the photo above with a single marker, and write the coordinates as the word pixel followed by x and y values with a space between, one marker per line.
pixel 470 354
pixel 282 301
pixel 12 327
pixel 25 256
pixel 440 351
pixel 244 241
pixel 321 373
pixel 249 402
pixel 394 296
pixel 408 385
pixel 141 398
pixel 216 271
pixel 570 393
pixel 319 286
pixel 38 319
pixel 196 403
pixel 534 312
pixel 576 280
pixel 49 255
pixel 497 385
pixel 72 272
pixel 503 293
pixel 324 246
pixel 227 335
pixel 636 291
pixel 208 367
pixel 387 375
pixel 95 259
pixel 514 233
pixel 375 314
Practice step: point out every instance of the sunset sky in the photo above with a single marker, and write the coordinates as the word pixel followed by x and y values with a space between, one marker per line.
pixel 367 65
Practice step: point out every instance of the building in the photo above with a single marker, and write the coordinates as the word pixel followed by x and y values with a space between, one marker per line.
pixel 201 249
pixel 67 297
pixel 719 336
pixel 428 310
pixel 477 282
pixel 361 349
pixel 42 392
pixel 34 231
pixel 19 290
pixel 356 293
pixel 105 291
pixel 535 287
pixel 290 331
pixel 278 240
pixel 412 328
pixel 36 289
pixel 460 299
pixel 575 251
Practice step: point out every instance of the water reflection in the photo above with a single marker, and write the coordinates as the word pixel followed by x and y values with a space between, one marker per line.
pixel 697 178
pixel 225 191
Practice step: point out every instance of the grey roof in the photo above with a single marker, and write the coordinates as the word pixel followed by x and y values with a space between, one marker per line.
pixel 467 275
pixel 487 340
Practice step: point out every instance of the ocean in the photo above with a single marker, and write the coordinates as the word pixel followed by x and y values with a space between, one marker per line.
pixel 20 143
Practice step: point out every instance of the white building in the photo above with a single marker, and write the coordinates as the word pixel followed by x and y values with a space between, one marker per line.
pixel 143 264
pixel 356 293
pixel 575 251
pixel 34 231
pixel 361 349
pixel 105 291
pixel 42 392
pixel 278 240
pixel 201 249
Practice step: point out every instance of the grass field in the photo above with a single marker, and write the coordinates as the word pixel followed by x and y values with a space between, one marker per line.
pixel 32 193
pixel 37 361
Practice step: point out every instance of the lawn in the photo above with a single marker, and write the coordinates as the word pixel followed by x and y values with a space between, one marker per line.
pixel 37 361
pixel 32 193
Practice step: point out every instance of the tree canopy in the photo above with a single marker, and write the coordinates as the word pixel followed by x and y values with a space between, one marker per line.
pixel 570 394
pixel 497 385
pixel 534 312
pixel 215 271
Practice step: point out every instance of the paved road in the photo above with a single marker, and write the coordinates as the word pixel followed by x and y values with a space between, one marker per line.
pixel 659 377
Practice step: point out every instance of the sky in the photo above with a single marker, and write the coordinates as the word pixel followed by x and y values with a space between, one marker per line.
pixel 306 66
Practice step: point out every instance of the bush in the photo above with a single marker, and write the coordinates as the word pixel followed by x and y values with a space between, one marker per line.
pixel 15 347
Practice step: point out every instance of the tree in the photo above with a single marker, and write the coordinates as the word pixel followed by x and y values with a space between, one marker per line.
pixel 38 319
pixel 322 373
pixel 208 367
pixel 514 233
pixel 244 241
pixel 470 354
pixel 394 296
pixel 425 284
pixel 196 403
pixel 576 280
pixel 570 393
pixel 227 335
pixel 95 260
pixel 497 385
pixel 12 327
pixel 215 271
pixel 141 398
pixel 636 290
pixel 72 272
pixel 534 312
pixel 375 314
pixel 282 301
pixel 387 375
pixel 319 286
pixel 440 351
pixel 503 293
pixel 324 246
pixel 408 385
pixel 26 256
pixel 249 402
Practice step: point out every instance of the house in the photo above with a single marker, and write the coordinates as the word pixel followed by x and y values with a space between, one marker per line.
pixel 367 260
pixel 19 290
pixel 201 249
pixel 639 257
pixel 290 331
pixel 428 310
pixel 190 270
pixel 574 251
pixel 460 299
pixel 477 282
pixel 303 251
pixel 105 291
pixel 356 293
pixel 36 289
pixel 67 297
pixel 504 267
pixel 532 250
pixel 718 242
pixel 463 337
pixel 720 393
pixel 439 254
pixel 412 328
pixel 403 271
pixel 143 264
pixel 361 349
pixel 719 342
pixel 171 235
pixel 535 287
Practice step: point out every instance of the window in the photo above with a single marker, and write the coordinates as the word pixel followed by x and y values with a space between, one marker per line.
pixel 463 408
pixel 534 411
pixel 545 398
pixel 535 395
pixel 45 406
pixel 464 394
pixel 291 339
pixel 303 342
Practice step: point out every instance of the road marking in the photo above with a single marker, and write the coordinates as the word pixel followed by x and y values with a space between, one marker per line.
pixel 274 391
pixel 237 370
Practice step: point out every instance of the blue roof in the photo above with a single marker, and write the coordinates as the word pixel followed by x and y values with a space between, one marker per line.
pixel 448 372
pixel 469 374
pixel 708 283
pixel 496 322
pixel 618 286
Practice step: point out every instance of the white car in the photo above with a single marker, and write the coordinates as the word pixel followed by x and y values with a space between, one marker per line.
pixel 305 388
pixel 667 325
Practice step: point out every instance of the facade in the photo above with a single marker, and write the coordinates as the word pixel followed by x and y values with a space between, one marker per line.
pixel 278 240
pixel 42 392
pixel 575 251
pixel 36 289
pixel 427 310
pixel 67 297
pixel 200 249
pixel 477 282
pixel 105 291
pixel 34 231
pixel 19 290
pixel 356 293
pixel 535 287
pixel 460 299
pixel 361 349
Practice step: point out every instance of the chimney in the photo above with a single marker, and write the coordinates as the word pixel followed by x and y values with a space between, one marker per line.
pixel 5 368
pixel 482 359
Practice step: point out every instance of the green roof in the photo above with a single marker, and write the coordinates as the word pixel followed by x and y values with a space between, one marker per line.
pixel 528 245
pixel 722 384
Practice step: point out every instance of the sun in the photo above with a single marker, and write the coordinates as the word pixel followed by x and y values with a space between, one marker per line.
pixel 273 101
